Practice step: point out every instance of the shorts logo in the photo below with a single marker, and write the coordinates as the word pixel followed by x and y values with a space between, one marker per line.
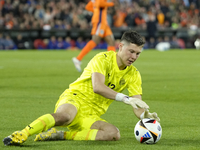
pixel 30 127
pixel 101 32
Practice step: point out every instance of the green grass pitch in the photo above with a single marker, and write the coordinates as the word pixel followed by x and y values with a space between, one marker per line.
pixel 31 82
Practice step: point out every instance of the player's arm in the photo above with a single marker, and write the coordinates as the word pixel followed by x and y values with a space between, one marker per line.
pixel 99 87
pixel 103 3
pixel 106 4
pixel 89 6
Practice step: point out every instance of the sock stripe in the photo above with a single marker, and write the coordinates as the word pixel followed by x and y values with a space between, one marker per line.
pixel 65 135
pixel 73 136
pixel 88 47
pixel 44 124
pixel 27 132
pixel 88 134
pixel 93 136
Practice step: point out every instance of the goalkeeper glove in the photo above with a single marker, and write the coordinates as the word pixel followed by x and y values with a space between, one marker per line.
pixel 147 114
pixel 134 102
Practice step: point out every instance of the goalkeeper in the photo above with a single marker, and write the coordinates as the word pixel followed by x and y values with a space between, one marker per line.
pixel 80 107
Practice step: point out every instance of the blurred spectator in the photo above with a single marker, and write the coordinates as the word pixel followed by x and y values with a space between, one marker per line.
pixel 60 43
pixel 159 39
pixel 59 24
pixel 39 44
pixel 140 22
pixel 39 12
pixel 8 43
pixel 184 17
pixel 52 43
pixel 181 43
pixel 119 17
pixel 193 11
pixel 1 21
pixel 175 23
pixel 164 6
pixel 80 43
pixel 161 18
pixel 130 17
pixel 167 39
pixel 20 42
pixel 69 14
pixel 9 21
pixel 73 44
pixel 151 26
pixel 67 43
pixel 62 14
pixel 48 15
pixel 152 43
pixel 1 41
pixel 174 42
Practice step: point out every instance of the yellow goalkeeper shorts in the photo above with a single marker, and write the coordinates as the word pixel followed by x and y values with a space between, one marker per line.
pixel 85 116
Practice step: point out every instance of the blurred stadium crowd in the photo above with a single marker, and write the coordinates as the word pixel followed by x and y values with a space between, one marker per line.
pixel 149 15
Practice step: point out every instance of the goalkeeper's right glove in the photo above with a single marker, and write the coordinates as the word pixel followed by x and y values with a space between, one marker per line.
pixel 147 114
pixel 134 102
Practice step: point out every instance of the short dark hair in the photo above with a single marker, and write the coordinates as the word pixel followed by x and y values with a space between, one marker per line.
pixel 133 37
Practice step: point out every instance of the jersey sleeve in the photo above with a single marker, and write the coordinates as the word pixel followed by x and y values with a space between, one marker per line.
pixel 135 85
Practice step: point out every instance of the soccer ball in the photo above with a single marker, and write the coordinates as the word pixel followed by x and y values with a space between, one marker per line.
pixel 148 131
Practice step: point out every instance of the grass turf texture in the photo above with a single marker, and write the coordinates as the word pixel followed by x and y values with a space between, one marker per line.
pixel 32 81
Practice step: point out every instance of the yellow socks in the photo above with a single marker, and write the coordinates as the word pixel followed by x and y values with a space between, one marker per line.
pixel 89 134
pixel 41 124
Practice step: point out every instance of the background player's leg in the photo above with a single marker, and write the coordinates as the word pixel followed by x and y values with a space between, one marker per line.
pixel 88 47
pixel 111 43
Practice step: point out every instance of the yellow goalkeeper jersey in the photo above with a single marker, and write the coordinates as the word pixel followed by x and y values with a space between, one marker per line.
pixel 118 80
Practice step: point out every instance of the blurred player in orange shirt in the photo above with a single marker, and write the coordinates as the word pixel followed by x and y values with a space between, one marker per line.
pixel 100 29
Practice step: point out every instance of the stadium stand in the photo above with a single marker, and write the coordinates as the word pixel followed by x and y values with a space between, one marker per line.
pixel 40 20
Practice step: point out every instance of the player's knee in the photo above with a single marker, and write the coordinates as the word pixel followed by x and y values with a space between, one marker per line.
pixel 61 118
pixel 113 134
pixel 96 39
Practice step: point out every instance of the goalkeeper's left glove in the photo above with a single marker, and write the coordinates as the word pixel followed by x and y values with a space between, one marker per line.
pixel 134 102
pixel 147 114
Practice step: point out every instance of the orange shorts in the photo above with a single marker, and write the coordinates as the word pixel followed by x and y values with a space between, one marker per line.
pixel 101 30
